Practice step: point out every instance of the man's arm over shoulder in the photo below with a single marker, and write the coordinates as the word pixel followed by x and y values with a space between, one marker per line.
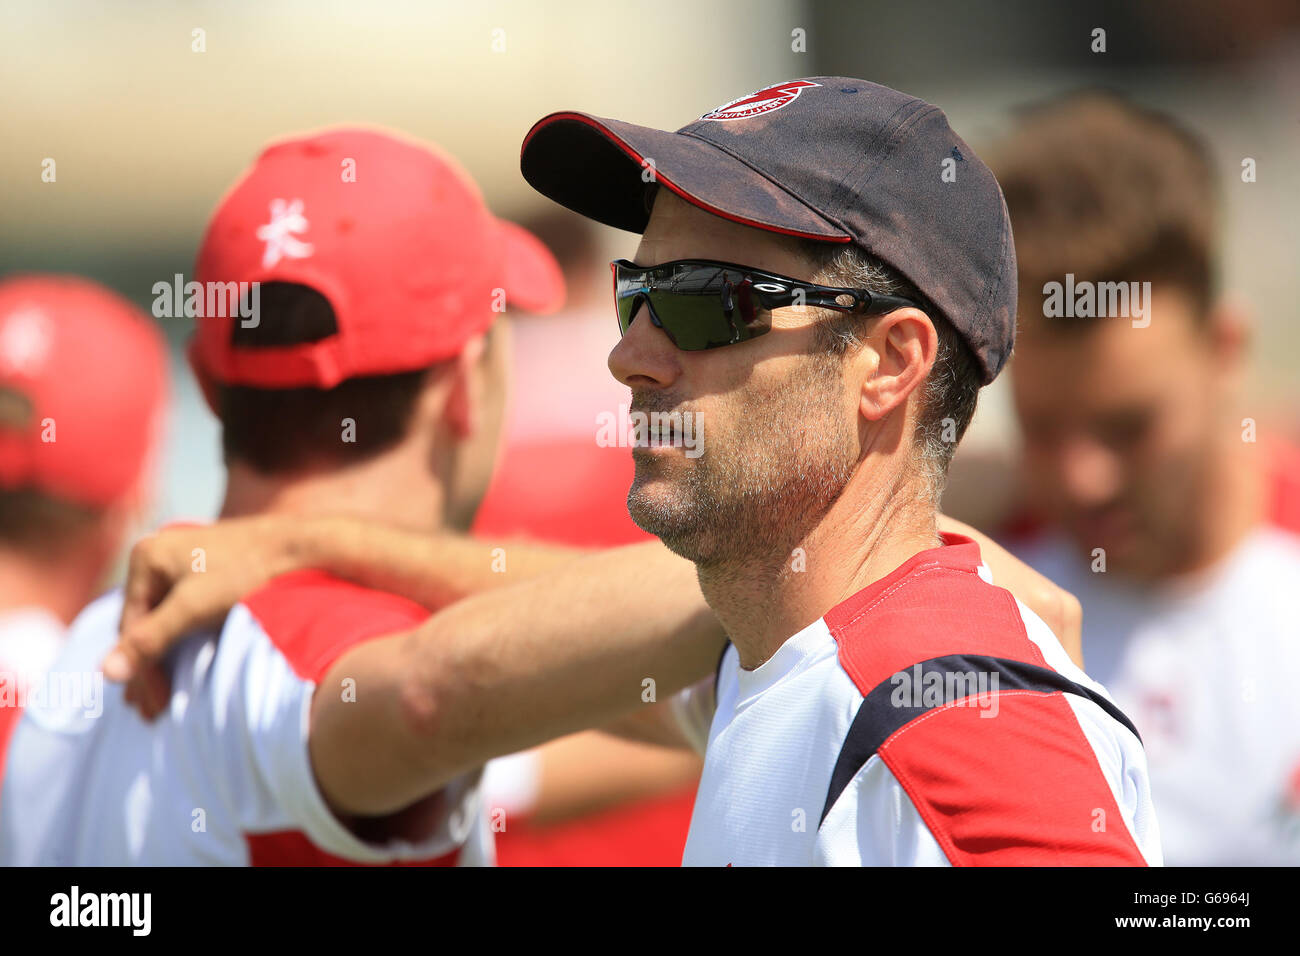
pixel 499 672
pixel 683 721
pixel 272 653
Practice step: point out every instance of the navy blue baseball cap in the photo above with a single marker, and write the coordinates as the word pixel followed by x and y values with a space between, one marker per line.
pixel 828 157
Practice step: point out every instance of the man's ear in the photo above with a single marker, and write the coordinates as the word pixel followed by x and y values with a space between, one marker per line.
pixel 905 344
pixel 462 408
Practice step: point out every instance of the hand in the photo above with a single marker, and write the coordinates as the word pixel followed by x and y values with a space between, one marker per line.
pixel 184 578
pixel 1059 609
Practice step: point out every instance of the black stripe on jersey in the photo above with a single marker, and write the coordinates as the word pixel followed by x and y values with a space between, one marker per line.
pixel 880 716
pixel 717 671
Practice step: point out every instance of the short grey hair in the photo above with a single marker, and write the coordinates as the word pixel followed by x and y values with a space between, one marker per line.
pixel 951 390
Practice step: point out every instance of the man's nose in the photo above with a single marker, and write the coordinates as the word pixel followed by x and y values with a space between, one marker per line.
pixel 645 356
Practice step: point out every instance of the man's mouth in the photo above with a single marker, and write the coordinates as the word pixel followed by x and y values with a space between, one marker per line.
pixel 656 429
pixel 663 436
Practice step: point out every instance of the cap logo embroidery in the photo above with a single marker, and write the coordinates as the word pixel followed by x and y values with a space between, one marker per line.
pixel 763 101
pixel 286 219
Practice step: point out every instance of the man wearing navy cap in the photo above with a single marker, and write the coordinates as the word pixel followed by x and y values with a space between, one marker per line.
pixel 826 277
pixel 814 285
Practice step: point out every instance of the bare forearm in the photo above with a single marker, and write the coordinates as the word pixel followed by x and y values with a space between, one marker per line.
pixel 501 672
pixel 652 724
pixel 433 570
pixel 188 576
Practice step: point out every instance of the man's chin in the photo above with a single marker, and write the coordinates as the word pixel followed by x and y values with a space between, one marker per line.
pixel 657 508
pixel 652 504
pixel 656 487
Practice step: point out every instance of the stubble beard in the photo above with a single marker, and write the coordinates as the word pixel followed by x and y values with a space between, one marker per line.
pixel 750 501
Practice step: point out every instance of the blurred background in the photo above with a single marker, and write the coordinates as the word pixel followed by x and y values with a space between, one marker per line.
pixel 151 109
pixel 147 134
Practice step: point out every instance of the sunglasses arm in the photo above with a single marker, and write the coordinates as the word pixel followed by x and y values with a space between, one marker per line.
pixel 864 302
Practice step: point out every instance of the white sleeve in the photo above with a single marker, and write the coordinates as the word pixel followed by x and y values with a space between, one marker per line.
pixel 692 710
pixel 51 750
pixel 267 708
pixel 875 823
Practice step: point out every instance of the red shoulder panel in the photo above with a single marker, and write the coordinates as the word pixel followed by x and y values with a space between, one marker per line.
pixel 1022 788
pixel 933 605
pixel 312 618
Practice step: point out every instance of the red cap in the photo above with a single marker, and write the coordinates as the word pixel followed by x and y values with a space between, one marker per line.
pixel 392 232
pixel 83 375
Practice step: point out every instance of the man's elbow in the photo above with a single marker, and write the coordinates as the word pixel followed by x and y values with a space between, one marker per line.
pixel 384 748
pixel 433 707
pixel 423 699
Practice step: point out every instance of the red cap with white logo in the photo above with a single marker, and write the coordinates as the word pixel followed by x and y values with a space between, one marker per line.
pixel 83 381
pixel 392 232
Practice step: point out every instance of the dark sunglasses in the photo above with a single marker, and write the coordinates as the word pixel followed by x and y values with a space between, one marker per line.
pixel 705 305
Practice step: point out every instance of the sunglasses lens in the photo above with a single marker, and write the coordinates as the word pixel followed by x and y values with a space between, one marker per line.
pixel 696 322
pixel 708 307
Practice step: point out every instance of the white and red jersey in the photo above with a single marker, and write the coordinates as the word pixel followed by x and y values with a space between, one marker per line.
pixel 1205 668
pixel 930 719
pixel 223 776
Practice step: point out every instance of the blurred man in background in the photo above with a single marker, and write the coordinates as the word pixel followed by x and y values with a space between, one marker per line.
pixel 83 381
pixel 365 377
pixel 1174 526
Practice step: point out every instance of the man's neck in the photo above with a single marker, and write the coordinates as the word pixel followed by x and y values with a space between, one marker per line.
pixel 383 490
pixel 867 533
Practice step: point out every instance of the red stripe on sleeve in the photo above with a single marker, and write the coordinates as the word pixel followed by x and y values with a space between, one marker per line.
pixel 291 848
pixel 1021 788
pixel 312 618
